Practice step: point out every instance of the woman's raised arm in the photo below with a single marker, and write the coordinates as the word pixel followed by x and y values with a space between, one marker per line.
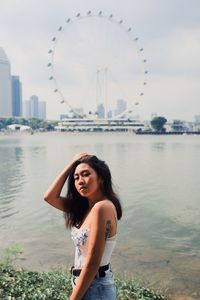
pixel 52 195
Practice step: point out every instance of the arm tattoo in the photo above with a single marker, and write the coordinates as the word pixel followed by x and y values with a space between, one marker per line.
pixel 108 229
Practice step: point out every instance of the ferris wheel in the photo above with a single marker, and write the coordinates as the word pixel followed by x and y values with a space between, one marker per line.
pixel 104 50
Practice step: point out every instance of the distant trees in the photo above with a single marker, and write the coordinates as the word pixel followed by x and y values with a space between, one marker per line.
pixel 157 123
pixel 34 123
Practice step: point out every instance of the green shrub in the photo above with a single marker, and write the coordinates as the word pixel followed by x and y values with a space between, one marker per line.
pixel 54 285
pixel 30 285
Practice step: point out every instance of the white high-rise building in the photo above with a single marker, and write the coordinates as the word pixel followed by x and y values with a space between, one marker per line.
pixel 34 106
pixel 5 86
pixel 42 110
pixel 121 107
pixel 27 109
pixel 16 96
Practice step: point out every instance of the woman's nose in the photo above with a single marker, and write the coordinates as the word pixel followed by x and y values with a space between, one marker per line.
pixel 81 181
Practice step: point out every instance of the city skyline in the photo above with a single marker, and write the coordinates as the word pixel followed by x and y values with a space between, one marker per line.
pixel 169 35
pixel 11 101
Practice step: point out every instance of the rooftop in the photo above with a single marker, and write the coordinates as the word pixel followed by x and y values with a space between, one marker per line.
pixel 3 56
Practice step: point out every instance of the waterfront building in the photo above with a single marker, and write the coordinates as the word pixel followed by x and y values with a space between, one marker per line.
pixel 16 97
pixel 179 126
pixel 197 119
pixel 197 123
pixel 87 124
pixel 5 86
pixel 19 127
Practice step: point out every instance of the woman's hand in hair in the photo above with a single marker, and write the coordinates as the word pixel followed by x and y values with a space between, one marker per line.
pixel 79 156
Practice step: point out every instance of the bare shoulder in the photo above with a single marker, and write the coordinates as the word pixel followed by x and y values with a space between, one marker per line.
pixel 104 206
pixel 103 212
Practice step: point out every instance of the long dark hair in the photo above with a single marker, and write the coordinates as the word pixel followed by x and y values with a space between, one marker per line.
pixel 77 206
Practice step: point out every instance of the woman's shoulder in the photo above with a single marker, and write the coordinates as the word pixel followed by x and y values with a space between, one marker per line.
pixel 104 206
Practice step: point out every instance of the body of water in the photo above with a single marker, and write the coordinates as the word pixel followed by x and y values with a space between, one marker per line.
pixel 157 178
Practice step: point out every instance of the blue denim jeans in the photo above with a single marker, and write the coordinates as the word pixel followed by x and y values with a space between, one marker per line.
pixel 102 288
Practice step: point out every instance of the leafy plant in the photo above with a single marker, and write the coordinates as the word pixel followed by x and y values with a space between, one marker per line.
pixel 55 285
pixel 10 254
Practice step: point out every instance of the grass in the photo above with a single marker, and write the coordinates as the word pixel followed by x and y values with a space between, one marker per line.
pixel 20 284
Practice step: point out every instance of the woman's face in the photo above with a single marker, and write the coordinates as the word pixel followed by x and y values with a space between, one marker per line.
pixel 86 180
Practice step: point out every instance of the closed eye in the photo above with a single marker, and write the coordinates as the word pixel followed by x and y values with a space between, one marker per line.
pixel 84 174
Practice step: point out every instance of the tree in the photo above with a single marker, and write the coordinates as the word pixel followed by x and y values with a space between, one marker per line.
pixel 34 123
pixel 158 123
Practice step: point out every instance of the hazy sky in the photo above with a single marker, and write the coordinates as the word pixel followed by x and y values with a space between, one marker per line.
pixel 168 30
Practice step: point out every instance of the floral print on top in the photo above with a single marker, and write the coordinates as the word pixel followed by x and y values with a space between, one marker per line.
pixel 79 237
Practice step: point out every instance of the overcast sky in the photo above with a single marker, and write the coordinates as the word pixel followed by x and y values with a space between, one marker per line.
pixel 168 30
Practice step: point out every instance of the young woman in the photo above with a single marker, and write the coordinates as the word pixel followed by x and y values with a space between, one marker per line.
pixel 91 210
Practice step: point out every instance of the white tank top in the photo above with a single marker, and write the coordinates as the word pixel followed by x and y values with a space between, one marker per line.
pixel 80 236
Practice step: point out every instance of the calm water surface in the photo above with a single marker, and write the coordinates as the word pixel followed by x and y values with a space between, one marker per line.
pixel 158 179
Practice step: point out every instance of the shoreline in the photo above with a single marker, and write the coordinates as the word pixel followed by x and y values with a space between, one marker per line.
pixel 75 132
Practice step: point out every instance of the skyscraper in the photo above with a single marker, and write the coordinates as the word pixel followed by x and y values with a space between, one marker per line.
pixel 5 86
pixel 101 111
pixel 16 96
pixel 42 110
pixel 34 106
pixel 121 107
pixel 27 109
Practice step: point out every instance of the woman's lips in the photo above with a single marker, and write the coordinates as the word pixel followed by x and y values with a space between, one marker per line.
pixel 83 188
